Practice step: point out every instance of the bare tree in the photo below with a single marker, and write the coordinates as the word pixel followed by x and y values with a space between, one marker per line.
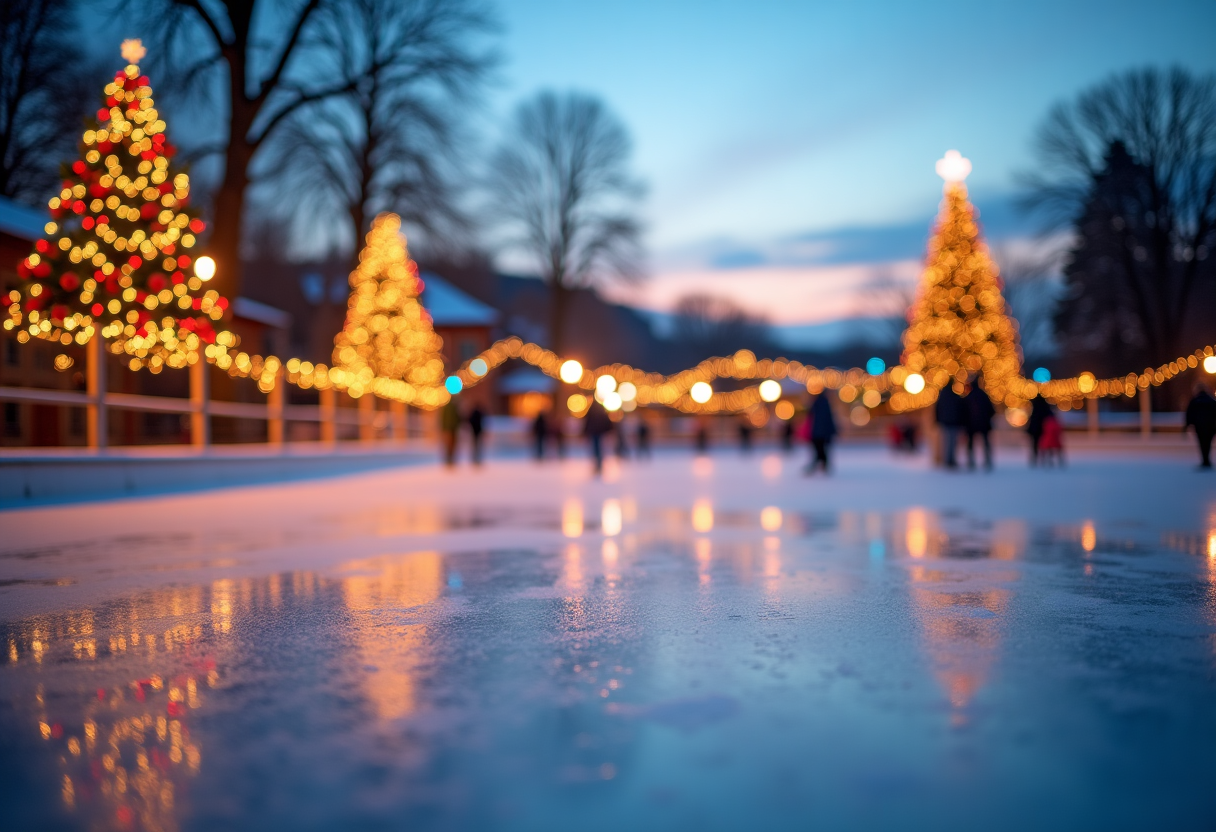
pixel 1131 163
pixel 41 99
pixel 561 185
pixel 389 144
pixel 279 58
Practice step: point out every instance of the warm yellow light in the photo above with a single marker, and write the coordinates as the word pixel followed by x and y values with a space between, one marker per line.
pixel 204 267
pixel 784 411
pixel 770 519
pixel 1086 382
pixel 1209 364
pixel 628 391
pixel 953 167
pixel 871 398
pixel 701 392
pixel 577 403
pixel 611 518
pixel 1089 536
pixel 571 371
pixel 612 402
pixel 914 383
pixel 703 516
pixel 604 385
pixel 572 518
pixel 859 416
pixel 770 390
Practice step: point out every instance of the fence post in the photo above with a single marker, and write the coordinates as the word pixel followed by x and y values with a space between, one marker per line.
pixel 95 374
pixel 200 399
pixel 329 415
pixel 399 420
pixel 367 418
pixel 274 407
pixel 1146 412
pixel 1091 406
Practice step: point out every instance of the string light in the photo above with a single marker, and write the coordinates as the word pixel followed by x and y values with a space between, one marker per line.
pixel 388 346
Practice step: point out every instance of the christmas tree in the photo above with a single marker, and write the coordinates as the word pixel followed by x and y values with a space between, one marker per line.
pixel 387 346
pixel 959 324
pixel 117 259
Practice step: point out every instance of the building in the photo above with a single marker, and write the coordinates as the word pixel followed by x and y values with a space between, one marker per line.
pixel 466 326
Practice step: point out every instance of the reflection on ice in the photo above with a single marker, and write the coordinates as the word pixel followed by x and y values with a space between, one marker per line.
pixel 702 653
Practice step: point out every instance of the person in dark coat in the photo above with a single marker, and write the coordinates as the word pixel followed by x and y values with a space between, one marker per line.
pixel 979 423
pixel 595 425
pixel 449 423
pixel 1201 415
pixel 540 431
pixel 745 434
pixel 951 414
pixel 476 426
pixel 1040 411
pixel 643 439
pixel 787 435
pixel 823 428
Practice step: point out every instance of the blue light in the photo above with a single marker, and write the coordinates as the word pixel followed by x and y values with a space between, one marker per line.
pixel 453 384
pixel 1042 375
pixel 875 366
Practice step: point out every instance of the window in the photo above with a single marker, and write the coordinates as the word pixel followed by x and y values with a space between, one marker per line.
pixel 12 419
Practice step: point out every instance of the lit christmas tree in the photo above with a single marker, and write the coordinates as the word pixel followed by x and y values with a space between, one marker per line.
pixel 388 346
pixel 959 324
pixel 117 258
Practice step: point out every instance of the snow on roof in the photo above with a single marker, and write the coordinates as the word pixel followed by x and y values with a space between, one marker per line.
pixel 450 306
pixel 263 313
pixel 526 380
pixel 21 220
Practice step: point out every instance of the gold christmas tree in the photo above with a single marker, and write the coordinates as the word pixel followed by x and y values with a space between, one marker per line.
pixel 959 324
pixel 388 346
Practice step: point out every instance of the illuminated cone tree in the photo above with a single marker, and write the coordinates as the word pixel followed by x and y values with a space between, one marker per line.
pixel 388 346
pixel 959 323
pixel 117 258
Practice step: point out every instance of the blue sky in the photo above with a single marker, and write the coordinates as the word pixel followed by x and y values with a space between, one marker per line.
pixel 763 128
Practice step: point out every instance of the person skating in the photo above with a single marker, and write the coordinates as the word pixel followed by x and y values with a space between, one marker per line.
pixel 449 423
pixel 595 425
pixel 822 429
pixel 951 415
pixel 1201 415
pixel 476 425
pixel 540 432
pixel 643 442
pixel 1040 410
pixel 979 423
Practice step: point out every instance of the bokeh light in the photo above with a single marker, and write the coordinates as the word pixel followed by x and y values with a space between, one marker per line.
pixel 784 411
pixel 1042 375
pixel 612 402
pixel 478 367
pixel 1209 364
pixel 770 390
pixel 204 267
pixel 914 383
pixel 876 366
pixel 701 392
pixel 453 384
pixel 571 371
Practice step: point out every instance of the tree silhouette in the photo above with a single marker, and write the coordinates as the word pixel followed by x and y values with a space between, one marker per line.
pixel 1131 164
pixel 282 59
pixel 561 185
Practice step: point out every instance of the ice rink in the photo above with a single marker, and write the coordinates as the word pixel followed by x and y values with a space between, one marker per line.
pixel 687 643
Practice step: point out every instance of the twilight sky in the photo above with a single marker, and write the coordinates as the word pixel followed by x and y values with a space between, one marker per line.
pixel 789 147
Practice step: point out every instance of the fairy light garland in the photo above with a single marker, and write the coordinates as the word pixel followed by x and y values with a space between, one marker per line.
pixel 388 348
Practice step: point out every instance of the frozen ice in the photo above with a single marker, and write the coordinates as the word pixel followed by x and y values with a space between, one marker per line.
pixel 686 643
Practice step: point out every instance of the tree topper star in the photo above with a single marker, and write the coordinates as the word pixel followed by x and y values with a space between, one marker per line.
pixel 133 50
pixel 953 167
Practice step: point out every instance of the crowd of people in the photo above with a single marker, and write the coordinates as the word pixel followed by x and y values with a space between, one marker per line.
pixel 959 416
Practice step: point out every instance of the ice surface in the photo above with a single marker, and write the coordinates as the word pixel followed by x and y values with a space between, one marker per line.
pixel 715 643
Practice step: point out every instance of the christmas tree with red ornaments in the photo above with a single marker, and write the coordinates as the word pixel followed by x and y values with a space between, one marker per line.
pixel 119 255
